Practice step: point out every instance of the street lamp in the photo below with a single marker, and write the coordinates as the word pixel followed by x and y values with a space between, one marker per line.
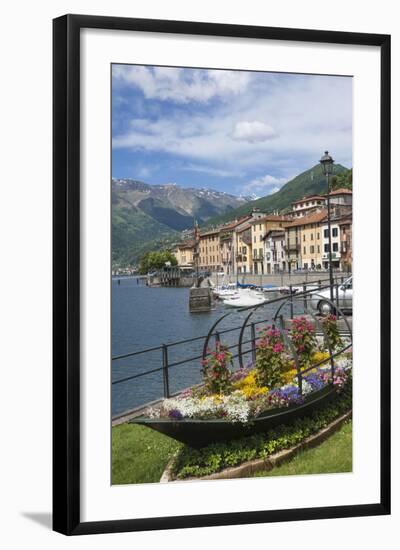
pixel 327 168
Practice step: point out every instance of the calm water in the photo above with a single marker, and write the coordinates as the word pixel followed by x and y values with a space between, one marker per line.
pixel 145 317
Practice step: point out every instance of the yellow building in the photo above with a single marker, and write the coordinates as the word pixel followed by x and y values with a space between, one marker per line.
pixel 260 226
pixel 184 252
pixel 304 240
pixel 209 251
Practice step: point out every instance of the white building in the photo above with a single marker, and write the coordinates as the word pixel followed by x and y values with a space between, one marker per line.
pixel 335 241
pixel 274 251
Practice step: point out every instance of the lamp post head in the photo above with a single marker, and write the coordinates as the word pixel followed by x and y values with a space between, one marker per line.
pixel 327 163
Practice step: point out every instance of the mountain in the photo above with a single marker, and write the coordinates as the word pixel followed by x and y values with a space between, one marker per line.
pixel 146 216
pixel 310 182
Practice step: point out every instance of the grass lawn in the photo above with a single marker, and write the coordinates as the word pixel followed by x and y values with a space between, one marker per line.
pixel 332 456
pixel 139 455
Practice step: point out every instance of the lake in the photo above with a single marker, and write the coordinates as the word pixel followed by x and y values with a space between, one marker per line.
pixel 144 317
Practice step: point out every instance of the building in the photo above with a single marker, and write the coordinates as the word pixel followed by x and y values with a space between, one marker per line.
pixel 243 248
pixel 304 241
pixel 306 205
pixel 342 197
pixel 260 226
pixel 184 253
pixel 209 251
pixel 341 230
pixel 335 242
pixel 227 244
pixel 346 244
pixel 274 251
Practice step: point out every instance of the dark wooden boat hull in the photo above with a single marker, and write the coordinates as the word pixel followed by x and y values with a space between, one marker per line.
pixel 197 433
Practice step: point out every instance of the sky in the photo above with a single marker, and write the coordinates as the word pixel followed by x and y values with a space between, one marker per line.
pixel 242 132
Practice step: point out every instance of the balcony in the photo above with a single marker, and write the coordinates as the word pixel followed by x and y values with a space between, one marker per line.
pixel 259 258
pixel 335 256
pixel 292 247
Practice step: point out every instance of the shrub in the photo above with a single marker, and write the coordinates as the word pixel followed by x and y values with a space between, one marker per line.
pixel 216 373
pixel 302 335
pixel 271 358
pixel 332 332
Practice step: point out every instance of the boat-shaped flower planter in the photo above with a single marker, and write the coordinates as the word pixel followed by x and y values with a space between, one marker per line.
pixel 197 433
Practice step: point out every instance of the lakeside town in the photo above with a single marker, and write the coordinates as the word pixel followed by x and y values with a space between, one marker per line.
pixel 263 243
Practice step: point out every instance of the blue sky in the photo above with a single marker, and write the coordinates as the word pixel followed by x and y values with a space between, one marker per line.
pixel 235 131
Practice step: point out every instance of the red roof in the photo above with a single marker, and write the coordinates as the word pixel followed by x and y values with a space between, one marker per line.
pixel 315 217
pixel 270 218
pixel 310 197
pixel 342 191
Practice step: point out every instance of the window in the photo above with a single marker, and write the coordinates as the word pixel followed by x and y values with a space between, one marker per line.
pixel 335 247
pixel 304 237
pixel 255 253
pixel 326 247
pixel 326 234
pixel 304 250
pixel 255 239
pixel 311 249
pixel 312 236
pixel 260 226
pixel 260 237
pixel 317 236
pixel 335 232
pixel 318 249
pixel 260 252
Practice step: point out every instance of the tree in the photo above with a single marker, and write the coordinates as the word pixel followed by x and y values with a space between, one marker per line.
pixel 343 180
pixel 155 260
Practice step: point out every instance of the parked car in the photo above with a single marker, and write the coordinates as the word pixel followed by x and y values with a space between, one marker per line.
pixel 320 300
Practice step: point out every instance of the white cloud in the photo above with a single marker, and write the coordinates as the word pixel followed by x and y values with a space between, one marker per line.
pixel 211 171
pixel 233 137
pixel 266 184
pixel 182 85
pixel 253 132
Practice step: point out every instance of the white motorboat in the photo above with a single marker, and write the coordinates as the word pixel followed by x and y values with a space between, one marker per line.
pixel 245 298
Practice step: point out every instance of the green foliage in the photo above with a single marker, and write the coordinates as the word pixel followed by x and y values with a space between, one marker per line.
pixel 309 182
pixel 155 260
pixel 271 361
pixel 332 332
pixel 139 455
pixel 343 180
pixel 333 456
pixel 217 456
pixel 302 335
pixel 215 370
pixel 135 233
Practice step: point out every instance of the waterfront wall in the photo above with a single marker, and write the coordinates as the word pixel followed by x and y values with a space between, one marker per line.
pixel 279 279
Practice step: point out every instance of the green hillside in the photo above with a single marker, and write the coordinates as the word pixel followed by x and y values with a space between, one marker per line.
pixel 130 235
pixel 310 182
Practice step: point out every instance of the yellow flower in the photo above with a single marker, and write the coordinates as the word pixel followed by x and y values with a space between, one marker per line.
pixel 320 356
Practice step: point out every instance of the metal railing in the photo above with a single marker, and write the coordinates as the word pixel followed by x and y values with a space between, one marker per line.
pixel 239 350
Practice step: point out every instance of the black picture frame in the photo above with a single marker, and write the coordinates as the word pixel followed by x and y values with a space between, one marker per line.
pixel 66 273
